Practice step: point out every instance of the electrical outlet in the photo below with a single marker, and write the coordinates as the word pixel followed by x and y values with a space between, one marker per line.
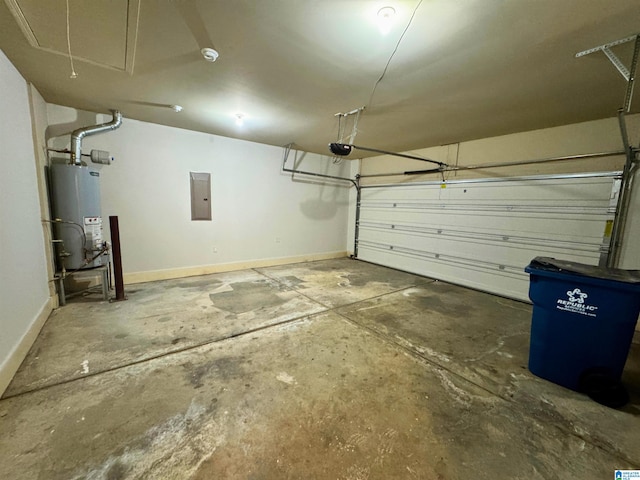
pixel 277 239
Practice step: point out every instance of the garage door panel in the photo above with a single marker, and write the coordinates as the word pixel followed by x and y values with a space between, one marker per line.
pixel 483 234
pixel 590 190
pixel 508 284
pixel 495 251
pixel 590 229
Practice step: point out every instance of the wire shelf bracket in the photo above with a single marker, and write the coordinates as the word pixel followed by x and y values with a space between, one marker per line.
pixel 627 73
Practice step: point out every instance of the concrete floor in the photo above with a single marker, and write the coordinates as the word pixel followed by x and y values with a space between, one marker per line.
pixel 336 369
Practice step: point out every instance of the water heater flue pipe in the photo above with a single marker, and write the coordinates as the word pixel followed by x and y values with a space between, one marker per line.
pixel 79 134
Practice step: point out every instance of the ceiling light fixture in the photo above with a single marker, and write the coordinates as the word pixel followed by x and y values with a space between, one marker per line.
pixel 176 108
pixel 209 54
pixel 239 119
pixel 386 17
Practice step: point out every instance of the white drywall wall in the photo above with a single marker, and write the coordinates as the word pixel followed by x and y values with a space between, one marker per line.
pixel 258 212
pixel 24 293
pixel 579 138
pixel 39 123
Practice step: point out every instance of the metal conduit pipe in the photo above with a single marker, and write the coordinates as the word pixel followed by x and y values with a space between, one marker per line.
pixel 320 175
pixel 617 174
pixel 80 133
pixel 624 196
pixel 501 164
pixel 356 238
pixel 541 160
pixel 287 149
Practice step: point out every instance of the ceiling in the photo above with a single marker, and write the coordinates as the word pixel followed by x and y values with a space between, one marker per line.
pixel 464 69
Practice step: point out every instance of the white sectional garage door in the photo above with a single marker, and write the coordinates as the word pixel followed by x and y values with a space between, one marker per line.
pixel 482 233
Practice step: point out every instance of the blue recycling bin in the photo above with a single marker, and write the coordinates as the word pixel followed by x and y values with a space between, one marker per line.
pixel 583 321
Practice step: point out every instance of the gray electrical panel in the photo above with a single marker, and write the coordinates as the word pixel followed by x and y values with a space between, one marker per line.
pixel 200 196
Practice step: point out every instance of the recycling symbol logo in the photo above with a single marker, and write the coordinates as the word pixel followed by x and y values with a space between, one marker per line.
pixel 576 296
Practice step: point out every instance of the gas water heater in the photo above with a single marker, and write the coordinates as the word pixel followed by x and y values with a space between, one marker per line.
pixel 75 202
pixel 78 221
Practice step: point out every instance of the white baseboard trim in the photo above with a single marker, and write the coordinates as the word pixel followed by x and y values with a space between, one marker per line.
pixel 153 275
pixel 11 364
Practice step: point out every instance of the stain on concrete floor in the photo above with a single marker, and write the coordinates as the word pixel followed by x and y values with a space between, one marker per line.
pixel 452 325
pixel 244 297
pixel 378 389
pixel 342 281
pixel 359 409
pixel 157 319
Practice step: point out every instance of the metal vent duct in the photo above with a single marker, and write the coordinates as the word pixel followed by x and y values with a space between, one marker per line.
pixel 79 134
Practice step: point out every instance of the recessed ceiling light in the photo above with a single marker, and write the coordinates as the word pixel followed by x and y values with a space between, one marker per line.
pixel 209 54
pixel 176 108
pixel 386 17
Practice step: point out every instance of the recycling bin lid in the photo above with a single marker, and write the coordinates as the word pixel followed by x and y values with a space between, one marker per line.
pixel 554 265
